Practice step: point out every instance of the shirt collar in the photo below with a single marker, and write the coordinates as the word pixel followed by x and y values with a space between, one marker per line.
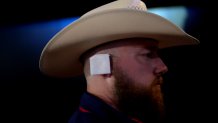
pixel 94 104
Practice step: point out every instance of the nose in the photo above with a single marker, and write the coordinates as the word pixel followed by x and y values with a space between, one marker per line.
pixel 160 67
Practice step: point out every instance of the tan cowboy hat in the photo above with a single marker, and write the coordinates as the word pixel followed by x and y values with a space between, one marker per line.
pixel 117 20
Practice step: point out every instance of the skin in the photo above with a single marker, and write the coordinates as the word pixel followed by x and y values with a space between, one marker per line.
pixel 134 86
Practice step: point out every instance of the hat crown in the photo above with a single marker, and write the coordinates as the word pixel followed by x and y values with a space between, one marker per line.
pixel 137 5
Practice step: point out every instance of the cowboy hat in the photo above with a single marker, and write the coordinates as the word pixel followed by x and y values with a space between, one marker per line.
pixel 117 20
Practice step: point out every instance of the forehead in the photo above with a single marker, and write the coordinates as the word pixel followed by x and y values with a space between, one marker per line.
pixel 136 42
pixel 123 43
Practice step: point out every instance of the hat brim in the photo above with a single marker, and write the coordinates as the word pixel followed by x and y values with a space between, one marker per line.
pixel 60 57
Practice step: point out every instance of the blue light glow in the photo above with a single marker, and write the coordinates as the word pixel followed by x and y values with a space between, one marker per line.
pixel 176 14
pixel 36 35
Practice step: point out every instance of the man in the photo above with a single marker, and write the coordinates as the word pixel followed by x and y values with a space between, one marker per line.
pixel 116 46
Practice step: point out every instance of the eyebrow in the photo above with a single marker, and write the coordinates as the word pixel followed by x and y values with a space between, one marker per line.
pixel 151 47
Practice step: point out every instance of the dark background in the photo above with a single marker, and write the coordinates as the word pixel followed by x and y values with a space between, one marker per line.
pixel 27 96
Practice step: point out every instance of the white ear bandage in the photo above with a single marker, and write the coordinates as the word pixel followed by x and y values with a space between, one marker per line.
pixel 100 64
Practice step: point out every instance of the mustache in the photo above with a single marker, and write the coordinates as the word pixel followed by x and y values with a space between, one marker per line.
pixel 158 80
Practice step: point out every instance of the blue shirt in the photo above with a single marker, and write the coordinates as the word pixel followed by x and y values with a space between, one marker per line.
pixel 94 110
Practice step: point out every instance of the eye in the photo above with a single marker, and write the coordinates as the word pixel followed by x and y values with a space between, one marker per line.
pixel 150 54
pixel 153 55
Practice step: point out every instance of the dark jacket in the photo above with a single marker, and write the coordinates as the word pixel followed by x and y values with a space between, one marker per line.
pixel 94 110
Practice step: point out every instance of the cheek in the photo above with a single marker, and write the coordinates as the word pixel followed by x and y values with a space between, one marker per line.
pixel 145 72
pixel 131 68
pixel 141 73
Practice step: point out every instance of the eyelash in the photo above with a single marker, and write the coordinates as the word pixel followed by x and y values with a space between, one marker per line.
pixel 150 54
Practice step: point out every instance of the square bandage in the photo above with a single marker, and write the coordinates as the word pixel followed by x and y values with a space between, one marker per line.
pixel 100 64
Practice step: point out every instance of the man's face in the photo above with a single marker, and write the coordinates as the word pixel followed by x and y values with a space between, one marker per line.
pixel 137 71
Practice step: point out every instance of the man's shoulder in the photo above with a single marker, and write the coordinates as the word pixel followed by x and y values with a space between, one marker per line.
pixel 86 117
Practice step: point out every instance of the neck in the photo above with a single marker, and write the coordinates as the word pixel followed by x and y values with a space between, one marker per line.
pixel 102 87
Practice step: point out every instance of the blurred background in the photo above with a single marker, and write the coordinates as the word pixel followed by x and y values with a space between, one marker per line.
pixel 28 96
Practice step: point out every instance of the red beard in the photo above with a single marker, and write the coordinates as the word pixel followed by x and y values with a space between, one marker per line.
pixel 145 103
